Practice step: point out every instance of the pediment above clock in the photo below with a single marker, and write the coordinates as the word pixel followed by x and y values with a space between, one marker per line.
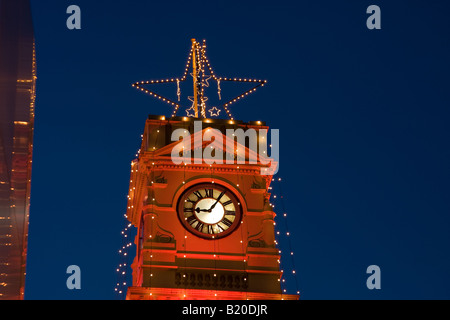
pixel 217 143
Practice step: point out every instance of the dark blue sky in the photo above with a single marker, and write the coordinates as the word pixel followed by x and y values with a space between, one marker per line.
pixel 363 118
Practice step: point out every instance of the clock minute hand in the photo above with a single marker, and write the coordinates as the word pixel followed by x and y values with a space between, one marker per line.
pixel 218 199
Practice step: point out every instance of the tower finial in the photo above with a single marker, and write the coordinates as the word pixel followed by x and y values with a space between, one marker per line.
pixel 194 75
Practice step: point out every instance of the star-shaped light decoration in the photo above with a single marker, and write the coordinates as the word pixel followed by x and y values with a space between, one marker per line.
pixel 198 61
pixel 205 82
pixel 214 111
pixel 191 111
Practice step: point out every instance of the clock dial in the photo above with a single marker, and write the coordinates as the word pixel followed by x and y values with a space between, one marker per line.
pixel 209 211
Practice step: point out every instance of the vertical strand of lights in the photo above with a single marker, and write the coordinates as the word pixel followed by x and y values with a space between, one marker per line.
pixel 281 264
pixel 219 90
pixel 196 76
pixel 152 213
pixel 183 276
pixel 244 253
pixel 202 74
pixel 151 240
pixel 122 268
pixel 153 197
pixel 287 232
pixel 215 277
pixel 276 238
pixel 277 241
pixel 126 244
pixel 201 79
pixel 216 257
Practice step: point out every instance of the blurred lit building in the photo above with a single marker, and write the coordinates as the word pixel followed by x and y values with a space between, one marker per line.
pixel 17 96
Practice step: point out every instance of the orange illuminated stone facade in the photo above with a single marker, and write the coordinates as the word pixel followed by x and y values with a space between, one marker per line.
pixel 175 262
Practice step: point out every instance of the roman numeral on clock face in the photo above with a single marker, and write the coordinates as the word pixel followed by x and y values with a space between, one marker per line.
pixel 199 226
pixel 191 201
pixel 226 222
pixel 220 195
pixel 209 193
pixel 227 203
pixel 191 219
pixel 198 194
pixel 230 213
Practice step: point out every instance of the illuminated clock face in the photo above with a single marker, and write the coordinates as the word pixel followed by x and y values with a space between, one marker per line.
pixel 209 211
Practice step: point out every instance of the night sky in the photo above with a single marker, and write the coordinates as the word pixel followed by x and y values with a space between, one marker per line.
pixel 363 118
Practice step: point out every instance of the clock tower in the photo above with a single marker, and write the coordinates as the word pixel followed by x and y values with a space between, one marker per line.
pixel 201 208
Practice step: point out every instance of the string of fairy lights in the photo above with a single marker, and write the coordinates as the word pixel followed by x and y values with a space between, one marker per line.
pixel 242 238
pixel 153 197
pixel 124 258
pixel 124 266
pixel 200 64
pixel 283 237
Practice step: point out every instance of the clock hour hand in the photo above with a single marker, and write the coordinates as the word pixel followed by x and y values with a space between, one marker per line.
pixel 202 210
